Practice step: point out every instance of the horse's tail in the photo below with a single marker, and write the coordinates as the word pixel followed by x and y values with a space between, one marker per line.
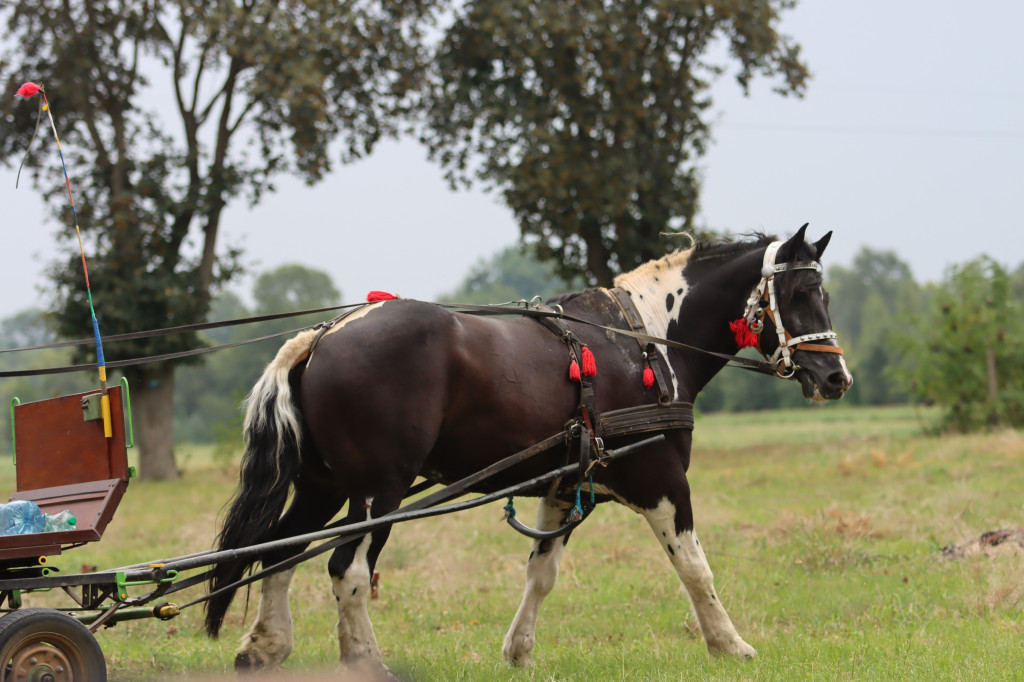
pixel 273 436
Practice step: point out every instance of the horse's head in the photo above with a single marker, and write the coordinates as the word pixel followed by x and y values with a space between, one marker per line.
pixel 797 333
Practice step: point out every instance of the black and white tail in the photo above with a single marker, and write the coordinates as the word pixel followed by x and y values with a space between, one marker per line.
pixel 273 438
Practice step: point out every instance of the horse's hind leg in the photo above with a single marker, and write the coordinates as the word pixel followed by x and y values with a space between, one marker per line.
pixel 269 640
pixel 672 523
pixel 351 567
pixel 541 573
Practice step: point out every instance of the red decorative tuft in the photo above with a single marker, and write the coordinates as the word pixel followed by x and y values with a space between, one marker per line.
pixel 28 89
pixel 574 371
pixel 744 337
pixel 648 377
pixel 375 296
pixel 589 364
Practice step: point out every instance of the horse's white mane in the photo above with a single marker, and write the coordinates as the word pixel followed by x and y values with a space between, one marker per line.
pixel 651 268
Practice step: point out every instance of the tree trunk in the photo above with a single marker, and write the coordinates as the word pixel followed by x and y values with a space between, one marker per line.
pixel 990 370
pixel 153 393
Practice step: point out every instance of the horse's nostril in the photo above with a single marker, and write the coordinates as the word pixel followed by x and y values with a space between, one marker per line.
pixel 838 379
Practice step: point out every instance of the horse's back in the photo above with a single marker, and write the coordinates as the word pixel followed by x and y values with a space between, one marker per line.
pixel 411 381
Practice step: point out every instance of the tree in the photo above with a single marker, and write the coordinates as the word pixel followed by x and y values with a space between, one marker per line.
pixel 966 351
pixel 1017 283
pixel 290 288
pixel 258 88
pixel 26 328
pixel 590 116
pixel 208 399
pixel 870 300
pixel 509 275
pixel 31 328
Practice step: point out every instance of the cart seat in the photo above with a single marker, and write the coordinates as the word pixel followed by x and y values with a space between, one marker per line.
pixel 64 461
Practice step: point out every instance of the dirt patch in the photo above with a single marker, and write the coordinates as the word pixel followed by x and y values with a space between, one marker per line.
pixel 992 543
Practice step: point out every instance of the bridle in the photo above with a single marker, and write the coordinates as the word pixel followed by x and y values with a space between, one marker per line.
pixel 763 301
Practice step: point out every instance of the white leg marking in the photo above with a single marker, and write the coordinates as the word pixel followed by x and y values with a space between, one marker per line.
pixel 356 642
pixel 269 640
pixel 541 573
pixel 692 567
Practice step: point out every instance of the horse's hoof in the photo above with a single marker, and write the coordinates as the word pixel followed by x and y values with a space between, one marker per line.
pixel 736 648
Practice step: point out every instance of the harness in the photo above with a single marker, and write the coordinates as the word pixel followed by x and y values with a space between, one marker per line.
pixel 764 302
pixel 587 430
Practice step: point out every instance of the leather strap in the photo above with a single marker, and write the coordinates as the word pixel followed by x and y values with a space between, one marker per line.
pixel 636 325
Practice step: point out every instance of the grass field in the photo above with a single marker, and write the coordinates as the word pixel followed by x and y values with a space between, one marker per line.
pixel 823 525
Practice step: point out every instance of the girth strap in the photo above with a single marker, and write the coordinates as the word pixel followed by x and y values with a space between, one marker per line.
pixel 645 419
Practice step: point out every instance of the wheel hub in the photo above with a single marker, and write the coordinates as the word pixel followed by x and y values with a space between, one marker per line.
pixel 40 662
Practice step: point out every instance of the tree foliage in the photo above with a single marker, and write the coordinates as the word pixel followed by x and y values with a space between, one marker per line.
pixel 169 110
pixel 208 399
pixel 512 274
pixel 872 299
pixel 965 352
pixel 590 116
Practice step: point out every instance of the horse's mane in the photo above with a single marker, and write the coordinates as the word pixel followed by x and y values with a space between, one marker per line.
pixel 726 248
pixel 722 248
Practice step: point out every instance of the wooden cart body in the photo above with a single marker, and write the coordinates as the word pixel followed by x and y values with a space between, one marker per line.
pixel 64 461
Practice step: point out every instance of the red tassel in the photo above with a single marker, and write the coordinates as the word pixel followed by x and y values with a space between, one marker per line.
pixel 375 296
pixel 744 337
pixel 574 371
pixel 28 90
pixel 648 377
pixel 589 364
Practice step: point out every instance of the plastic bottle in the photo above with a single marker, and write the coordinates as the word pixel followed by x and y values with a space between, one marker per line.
pixel 20 517
pixel 64 520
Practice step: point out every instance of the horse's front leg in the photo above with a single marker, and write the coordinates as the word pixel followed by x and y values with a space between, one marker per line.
pixel 672 524
pixel 541 573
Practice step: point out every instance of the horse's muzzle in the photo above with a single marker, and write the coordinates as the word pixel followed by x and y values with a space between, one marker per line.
pixel 831 386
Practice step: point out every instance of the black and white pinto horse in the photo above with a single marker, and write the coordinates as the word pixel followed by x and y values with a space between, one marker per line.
pixel 403 388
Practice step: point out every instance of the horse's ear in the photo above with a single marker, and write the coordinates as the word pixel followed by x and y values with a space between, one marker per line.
pixel 791 248
pixel 819 246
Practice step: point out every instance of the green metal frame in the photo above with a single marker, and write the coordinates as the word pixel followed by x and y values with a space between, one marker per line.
pixel 127 403
pixel 15 401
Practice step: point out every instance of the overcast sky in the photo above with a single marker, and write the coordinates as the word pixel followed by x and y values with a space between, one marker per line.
pixel 910 139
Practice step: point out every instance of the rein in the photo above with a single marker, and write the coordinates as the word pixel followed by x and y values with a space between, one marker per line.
pixel 468 308
pixel 643 337
pixel 166 332
pixel 757 308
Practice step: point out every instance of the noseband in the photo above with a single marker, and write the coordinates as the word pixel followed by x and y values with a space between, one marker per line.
pixel 763 301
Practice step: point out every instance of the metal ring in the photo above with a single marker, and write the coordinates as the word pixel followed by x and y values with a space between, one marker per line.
pixel 788 374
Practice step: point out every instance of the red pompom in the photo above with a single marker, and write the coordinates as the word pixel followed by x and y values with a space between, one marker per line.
pixel 648 377
pixel 744 337
pixel 574 371
pixel 589 364
pixel 28 89
pixel 375 296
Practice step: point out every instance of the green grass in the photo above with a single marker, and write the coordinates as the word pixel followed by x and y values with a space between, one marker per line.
pixel 823 527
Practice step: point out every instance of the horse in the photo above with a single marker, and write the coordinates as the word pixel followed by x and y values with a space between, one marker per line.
pixel 402 389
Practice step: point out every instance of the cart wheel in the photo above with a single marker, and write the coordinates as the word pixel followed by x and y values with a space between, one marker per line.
pixel 44 645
